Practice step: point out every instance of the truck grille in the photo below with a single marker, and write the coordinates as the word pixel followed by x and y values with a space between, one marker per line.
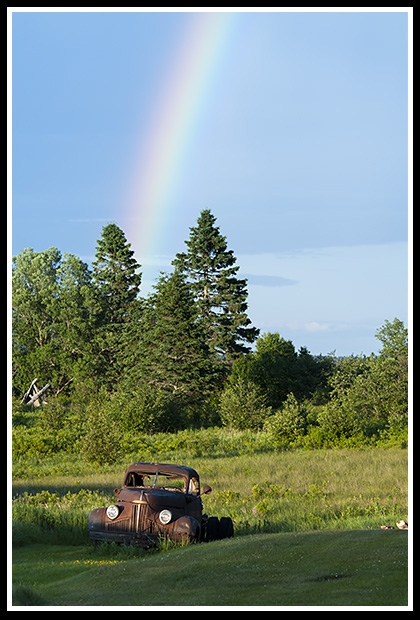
pixel 136 523
pixel 141 523
pixel 121 525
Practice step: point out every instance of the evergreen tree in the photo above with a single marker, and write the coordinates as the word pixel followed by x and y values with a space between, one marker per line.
pixel 172 353
pixel 115 275
pixel 209 267
pixel 118 283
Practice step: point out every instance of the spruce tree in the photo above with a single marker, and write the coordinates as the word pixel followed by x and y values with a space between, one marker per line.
pixel 172 353
pixel 114 272
pixel 209 266
pixel 118 283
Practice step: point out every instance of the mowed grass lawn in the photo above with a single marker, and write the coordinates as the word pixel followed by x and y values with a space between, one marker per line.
pixel 324 568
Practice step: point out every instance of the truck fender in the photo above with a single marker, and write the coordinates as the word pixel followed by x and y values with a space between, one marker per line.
pixel 187 526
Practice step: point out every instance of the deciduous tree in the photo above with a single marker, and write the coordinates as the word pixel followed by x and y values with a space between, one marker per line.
pixel 52 326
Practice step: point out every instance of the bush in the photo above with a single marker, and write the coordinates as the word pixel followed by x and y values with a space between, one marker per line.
pixel 44 431
pixel 368 394
pixel 243 406
pixel 137 410
pixel 53 415
pixel 288 425
pixel 149 409
pixel 337 421
pixel 40 442
pixel 101 443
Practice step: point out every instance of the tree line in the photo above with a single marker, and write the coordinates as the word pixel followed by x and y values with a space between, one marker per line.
pixel 73 325
pixel 187 354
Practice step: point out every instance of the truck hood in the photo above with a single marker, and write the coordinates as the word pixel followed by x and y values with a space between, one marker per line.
pixel 156 498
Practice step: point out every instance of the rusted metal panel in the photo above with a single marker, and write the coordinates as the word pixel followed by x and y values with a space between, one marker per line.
pixel 167 468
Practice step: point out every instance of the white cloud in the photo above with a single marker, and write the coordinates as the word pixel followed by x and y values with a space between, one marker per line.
pixel 156 260
pixel 314 326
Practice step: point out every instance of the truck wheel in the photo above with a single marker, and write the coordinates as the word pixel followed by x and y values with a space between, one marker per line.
pixel 212 529
pixel 225 527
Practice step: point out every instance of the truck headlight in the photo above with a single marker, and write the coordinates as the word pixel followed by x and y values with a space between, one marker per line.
pixel 112 512
pixel 165 516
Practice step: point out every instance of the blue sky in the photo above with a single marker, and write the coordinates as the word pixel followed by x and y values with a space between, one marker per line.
pixel 301 150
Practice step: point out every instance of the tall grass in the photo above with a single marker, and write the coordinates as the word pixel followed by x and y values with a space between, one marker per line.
pixel 53 517
pixel 262 489
pixel 298 491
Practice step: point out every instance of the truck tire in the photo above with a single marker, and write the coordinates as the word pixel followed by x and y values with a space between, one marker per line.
pixel 225 527
pixel 212 529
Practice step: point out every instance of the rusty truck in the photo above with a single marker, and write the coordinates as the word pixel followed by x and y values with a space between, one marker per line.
pixel 157 501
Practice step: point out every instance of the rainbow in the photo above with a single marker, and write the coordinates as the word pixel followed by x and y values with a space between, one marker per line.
pixel 161 156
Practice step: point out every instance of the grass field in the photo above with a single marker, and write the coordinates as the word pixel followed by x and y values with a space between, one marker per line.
pixel 328 568
pixel 307 533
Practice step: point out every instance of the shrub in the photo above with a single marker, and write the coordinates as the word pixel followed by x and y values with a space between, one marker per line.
pixel 101 443
pixel 53 415
pixel 40 442
pixel 288 425
pixel 243 406
pixel 337 421
pixel 137 410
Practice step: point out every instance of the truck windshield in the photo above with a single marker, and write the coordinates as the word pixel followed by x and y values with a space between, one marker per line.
pixel 158 480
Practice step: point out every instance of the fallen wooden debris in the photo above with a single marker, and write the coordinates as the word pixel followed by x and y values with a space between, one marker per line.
pixel 34 396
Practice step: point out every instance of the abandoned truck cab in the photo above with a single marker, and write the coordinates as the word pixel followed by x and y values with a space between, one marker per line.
pixel 157 501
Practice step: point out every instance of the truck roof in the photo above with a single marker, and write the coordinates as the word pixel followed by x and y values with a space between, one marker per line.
pixel 162 468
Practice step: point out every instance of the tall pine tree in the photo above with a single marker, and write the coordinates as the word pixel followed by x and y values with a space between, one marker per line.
pixel 209 266
pixel 171 352
pixel 118 283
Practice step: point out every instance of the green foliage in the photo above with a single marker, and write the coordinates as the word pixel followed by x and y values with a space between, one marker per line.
pixel 51 319
pixel 180 358
pixel 148 409
pixel 243 405
pixel 101 442
pixel 288 425
pixel 115 273
pixel 369 396
pixel 117 284
pixel 32 442
pixel 137 410
pixel 279 370
pixel 221 296
pixel 40 432
pixel 172 352
pixel 394 338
